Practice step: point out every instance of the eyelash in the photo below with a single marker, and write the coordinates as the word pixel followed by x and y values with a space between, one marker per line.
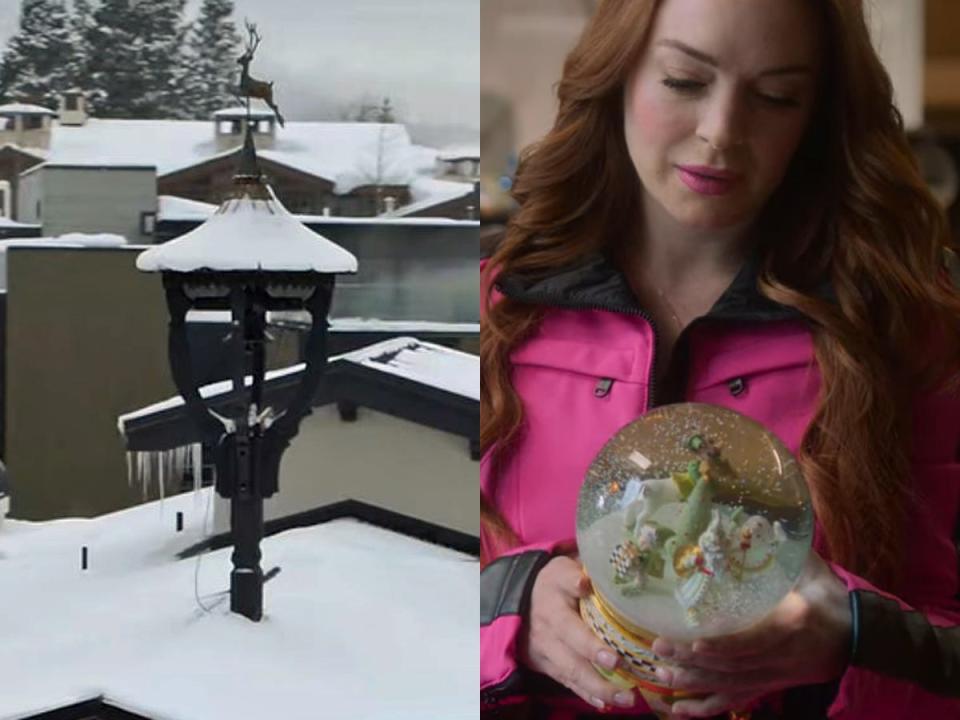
pixel 691 86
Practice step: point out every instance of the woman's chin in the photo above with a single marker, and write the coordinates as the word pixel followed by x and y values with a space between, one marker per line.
pixel 713 220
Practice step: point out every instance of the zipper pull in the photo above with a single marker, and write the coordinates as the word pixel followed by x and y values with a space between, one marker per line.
pixel 603 387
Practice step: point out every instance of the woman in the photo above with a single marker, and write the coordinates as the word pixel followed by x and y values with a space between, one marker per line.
pixel 726 211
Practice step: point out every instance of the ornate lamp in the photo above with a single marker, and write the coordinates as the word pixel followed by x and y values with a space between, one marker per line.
pixel 249 258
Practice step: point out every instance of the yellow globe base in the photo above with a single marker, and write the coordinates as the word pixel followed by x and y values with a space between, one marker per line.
pixel 638 663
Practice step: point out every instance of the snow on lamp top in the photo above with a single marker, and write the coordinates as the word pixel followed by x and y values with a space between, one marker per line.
pixel 250 233
pixel 692 521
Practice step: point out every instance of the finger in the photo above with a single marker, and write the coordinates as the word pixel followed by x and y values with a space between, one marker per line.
pixel 659 705
pixel 707 681
pixel 576 673
pixel 568 576
pixel 763 637
pixel 711 705
pixel 731 663
pixel 672 650
pixel 583 586
pixel 579 639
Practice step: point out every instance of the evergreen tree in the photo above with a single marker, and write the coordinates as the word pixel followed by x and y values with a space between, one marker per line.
pixel 160 38
pixel 36 63
pixel 135 51
pixel 210 71
pixel 115 65
pixel 82 25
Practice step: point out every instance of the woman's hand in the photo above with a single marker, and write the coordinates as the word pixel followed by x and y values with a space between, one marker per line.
pixel 556 641
pixel 805 640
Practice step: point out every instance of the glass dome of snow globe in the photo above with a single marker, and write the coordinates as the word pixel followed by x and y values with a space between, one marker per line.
pixel 692 521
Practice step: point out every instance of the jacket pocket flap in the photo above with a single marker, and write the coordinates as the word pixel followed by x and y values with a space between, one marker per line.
pixel 717 359
pixel 583 358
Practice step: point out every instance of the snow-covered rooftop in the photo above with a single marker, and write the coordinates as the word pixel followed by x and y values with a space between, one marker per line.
pixel 428 192
pixel 249 234
pixel 6 222
pixel 451 370
pixel 24 109
pixel 423 362
pixel 171 207
pixel 460 152
pixel 68 241
pixel 356 324
pixel 345 153
pixel 241 112
pixel 178 208
pixel 361 622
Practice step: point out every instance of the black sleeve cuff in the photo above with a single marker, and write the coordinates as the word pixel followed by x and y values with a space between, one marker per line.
pixel 903 644
pixel 506 584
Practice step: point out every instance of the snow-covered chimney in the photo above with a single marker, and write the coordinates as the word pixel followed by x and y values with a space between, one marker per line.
pixel 73 107
pixel 230 126
pixel 389 205
pixel 25 125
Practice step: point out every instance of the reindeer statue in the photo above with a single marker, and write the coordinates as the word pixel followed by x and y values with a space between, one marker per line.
pixel 250 87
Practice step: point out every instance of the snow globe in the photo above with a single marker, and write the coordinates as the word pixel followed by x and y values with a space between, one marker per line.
pixel 692 521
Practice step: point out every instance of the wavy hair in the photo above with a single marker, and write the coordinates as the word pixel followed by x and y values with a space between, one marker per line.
pixel 852 208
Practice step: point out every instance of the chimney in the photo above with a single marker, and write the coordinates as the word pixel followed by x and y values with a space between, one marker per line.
pixel 73 108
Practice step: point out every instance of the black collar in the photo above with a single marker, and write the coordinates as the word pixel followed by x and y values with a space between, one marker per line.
pixel 597 284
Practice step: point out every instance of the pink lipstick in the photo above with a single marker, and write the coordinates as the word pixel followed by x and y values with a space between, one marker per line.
pixel 707 180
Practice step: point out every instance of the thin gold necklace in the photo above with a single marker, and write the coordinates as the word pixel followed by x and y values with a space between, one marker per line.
pixel 673 313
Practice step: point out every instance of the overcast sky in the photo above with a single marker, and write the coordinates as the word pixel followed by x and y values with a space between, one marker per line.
pixel 326 54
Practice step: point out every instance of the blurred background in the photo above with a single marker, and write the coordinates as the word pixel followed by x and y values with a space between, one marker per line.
pixel 524 42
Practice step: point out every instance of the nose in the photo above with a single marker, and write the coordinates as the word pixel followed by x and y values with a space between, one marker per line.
pixel 722 124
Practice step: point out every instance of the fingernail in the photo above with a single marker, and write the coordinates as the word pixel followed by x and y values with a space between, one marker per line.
pixel 598 703
pixel 606 659
pixel 662 648
pixel 664 676
pixel 623 699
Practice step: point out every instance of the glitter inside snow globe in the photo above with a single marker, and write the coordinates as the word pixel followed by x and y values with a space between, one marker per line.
pixel 692 521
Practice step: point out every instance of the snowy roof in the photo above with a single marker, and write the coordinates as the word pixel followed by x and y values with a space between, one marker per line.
pixel 249 234
pixel 344 153
pixel 6 222
pixel 346 324
pixel 356 324
pixel 401 613
pixel 460 152
pixel 24 109
pixel 207 391
pixel 241 112
pixel 171 206
pixel 429 192
pixel 68 241
pixel 407 357
pixel 451 370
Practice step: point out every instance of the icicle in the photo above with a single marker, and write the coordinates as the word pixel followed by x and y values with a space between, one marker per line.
pixel 130 461
pixel 196 462
pixel 162 460
pixel 196 458
pixel 166 468
pixel 142 458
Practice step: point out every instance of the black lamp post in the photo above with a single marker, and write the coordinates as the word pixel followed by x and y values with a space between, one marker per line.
pixel 251 257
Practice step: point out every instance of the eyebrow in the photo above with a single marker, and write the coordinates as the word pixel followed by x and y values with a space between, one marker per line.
pixel 710 60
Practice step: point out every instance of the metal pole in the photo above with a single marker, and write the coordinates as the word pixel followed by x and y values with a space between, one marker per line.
pixel 246 512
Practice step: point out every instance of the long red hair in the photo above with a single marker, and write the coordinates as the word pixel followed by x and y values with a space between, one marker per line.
pixel 852 208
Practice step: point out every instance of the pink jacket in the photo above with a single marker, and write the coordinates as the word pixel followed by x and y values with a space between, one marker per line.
pixel 587 372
